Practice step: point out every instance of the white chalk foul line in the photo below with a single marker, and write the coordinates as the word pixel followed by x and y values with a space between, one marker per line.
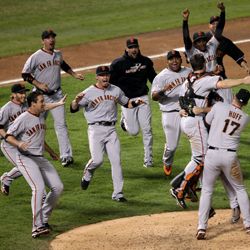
pixel 95 66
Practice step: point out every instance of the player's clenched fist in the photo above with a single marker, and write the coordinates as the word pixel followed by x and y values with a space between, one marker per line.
pixel 221 6
pixel 185 14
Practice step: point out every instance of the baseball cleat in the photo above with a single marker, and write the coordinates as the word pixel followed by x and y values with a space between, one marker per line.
pixel 180 201
pixel 67 161
pixel 121 199
pixel 211 213
pixel 123 125
pixel 235 215
pixel 47 225
pixel 5 189
pixel 40 231
pixel 167 170
pixel 148 164
pixel 201 234
pixel 84 184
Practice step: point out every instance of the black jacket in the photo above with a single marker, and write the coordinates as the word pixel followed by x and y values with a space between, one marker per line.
pixel 131 75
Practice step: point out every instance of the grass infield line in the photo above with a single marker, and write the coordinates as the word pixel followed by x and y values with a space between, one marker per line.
pixel 108 63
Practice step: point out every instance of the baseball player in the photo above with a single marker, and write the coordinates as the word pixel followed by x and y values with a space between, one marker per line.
pixel 198 86
pixel 27 134
pixel 226 123
pixel 226 47
pixel 42 69
pixel 100 110
pixel 165 89
pixel 130 73
pixel 201 45
pixel 8 113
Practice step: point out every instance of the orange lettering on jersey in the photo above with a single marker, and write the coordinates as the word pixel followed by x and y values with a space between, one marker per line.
pixel 175 83
pixel 35 129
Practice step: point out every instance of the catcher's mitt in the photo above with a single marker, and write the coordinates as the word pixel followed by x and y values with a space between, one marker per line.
pixel 187 104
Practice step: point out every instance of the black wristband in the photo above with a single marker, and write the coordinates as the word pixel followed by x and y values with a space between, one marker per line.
pixel 73 110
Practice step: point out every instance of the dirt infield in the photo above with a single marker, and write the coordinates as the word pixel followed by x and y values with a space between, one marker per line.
pixel 150 44
pixel 173 231
pixel 161 231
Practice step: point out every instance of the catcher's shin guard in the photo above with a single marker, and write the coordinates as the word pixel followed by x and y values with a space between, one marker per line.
pixel 190 181
pixel 176 182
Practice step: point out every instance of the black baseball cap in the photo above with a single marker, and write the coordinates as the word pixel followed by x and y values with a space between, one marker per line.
pixel 132 43
pixel 243 96
pixel 48 33
pixel 214 19
pixel 173 53
pixel 199 35
pixel 102 70
pixel 18 88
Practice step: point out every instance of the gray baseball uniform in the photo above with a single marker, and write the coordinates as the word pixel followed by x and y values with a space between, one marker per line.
pixel 36 170
pixel 8 113
pixel 46 68
pixel 196 131
pixel 194 127
pixel 209 54
pixel 169 106
pixel 100 111
pixel 227 122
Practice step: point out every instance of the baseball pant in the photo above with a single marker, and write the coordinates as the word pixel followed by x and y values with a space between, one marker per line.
pixel 197 134
pixel 104 139
pixel 140 117
pixel 171 125
pixel 218 161
pixel 10 154
pixel 39 172
pixel 60 126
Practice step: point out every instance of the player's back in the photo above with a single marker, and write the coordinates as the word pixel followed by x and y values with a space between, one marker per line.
pixel 227 123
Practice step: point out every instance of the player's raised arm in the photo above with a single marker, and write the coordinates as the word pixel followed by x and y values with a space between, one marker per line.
pixel 185 29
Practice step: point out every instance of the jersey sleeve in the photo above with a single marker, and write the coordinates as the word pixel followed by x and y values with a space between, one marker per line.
pixel 156 85
pixel 29 66
pixel 122 99
pixel 4 116
pixel 211 82
pixel 17 127
pixel 210 115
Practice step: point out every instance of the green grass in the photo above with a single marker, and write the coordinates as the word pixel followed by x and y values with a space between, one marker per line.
pixel 146 189
pixel 81 21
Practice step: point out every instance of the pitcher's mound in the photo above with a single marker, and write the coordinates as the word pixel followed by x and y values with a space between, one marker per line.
pixel 173 230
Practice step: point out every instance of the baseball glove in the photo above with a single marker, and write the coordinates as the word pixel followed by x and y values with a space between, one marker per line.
pixel 187 104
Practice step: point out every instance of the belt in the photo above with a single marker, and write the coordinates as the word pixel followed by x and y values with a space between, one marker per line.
pixel 51 92
pixel 103 123
pixel 30 155
pixel 215 148
pixel 171 111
